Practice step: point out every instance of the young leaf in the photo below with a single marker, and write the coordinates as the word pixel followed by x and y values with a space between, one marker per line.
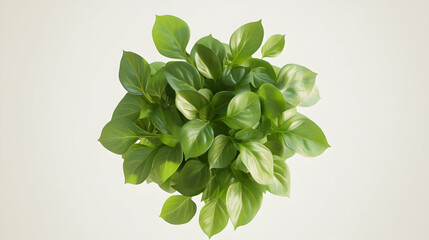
pixel 243 201
pixel 130 107
pixel 222 152
pixel 258 160
pixel 171 36
pixel 207 62
pixel 138 164
pixel 155 67
pixel 244 110
pixel 183 76
pixel 193 105
pixel 246 40
pixel 213 217
pixel 273 103
pixel 281 184
pixel 273 46
pixel 196 137
pixel 134 72
pixel 178 210
pixel 192 179
pixel 166 162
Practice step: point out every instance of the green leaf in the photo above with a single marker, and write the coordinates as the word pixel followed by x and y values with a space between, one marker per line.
pixel 166 162
pixel 237 77
pixel 178 210
pixel 212 43
pixel 166 120
pixel 155 86
pixel 207 62
pixel 303 136
pixel 130 107
pixel 196 138
pixel 222 152
pixel 246 40
pixel 261 72
pixel 119 134
pixel 213 217
pixel 138 164
pixel 211 189
pixel 273 46
pixel 281 184
pixel 155 67
pixel 133 73
pixel 183 76
pixel 273 103
pixel 312 99
pixel 296 83
pixel 221 100
pixel 171 36
pixel 258 160
pixel 243 201
pixel 192 179
pixel 244 110
pixel 169 140
pixel 193 105
pixel 279 149
pixel 207 93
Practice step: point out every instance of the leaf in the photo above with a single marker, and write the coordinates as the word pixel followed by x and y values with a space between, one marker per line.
pixel 178 210
pixel 171 36
pixel 312 99
pixel 130 107
pixel 134 72
pixel 166 120
pixel 138 164
pixel 222 152
pixel 221 100
pixel 213 217
pixel 192 179
pixel 119 134
pixel 273 46
pixel 237 77
pixel 279 149
pixel 281 184
pixel 207 93
pixel 166 162
pixel 196 138
pixel 155 86
pixel 243 201
pixel 296 83
pixel 258 160
pixel 155 67
pixel 261 72
pixel 244 110
pixel 246 40
pixel 183 76
pixel 273 103
pixel 169 140
pixel 193 105
pixel 207 62
pixel 212 43
pixel 210 190
pixel 303 136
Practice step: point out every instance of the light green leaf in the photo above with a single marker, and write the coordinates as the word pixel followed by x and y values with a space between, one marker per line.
pixel 130 107
pixel 178 210
pixel 215 45
pixel 171 36
pixel 281 184
pixel 192 179
pixel 196 138
pixel 155 86
pixel 169 140
pixel 207 93
pixel 213 217
pixel 258 160
pixel 221 100
pixel 296 83
pixel 246 40
pixel 222 152
pixel 134 72
pixel 155 67
pixel 243 201
pixel 273 46
pixel 166 162
pixel 138 164
pixel 261 71
pixel 183 76
pixel 194 105
pixel 207 62
pixel 312 99
pixel 237 77
pixel 244 110
pixel 273 103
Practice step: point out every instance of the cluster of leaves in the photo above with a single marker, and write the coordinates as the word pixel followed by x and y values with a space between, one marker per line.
pixel 218 122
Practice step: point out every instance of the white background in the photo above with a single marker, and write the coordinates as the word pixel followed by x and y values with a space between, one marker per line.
pixel 59 63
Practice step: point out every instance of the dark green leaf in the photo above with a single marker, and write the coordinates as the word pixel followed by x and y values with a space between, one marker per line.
pixel 178 210
pixel 193 105
pixel 207 93
pixel 246 40
pixel 213 217
pixel 273 103
pixel 166 120
pixel 138 164
pixel 273 46
pixel 237 77
pixel 207 62
pixel 183 76
pixel 155 86
pixel 130 107
pixel 133 73
pixel 166 162
pixel 196 137
pixel 261 71
pixel 222 152
pixel 221 100
pixel 244 110
pixel 171 36
pixel 192 179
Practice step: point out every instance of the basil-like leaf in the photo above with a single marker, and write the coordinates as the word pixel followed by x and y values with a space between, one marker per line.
pixel 171 36
pixel 193 105
pixel 273 103
pixel 178 210
pixel 207 62
pixel 273 46
pixel 196 137
pixel 246 40
pixel 258 160
pixel 130 107
pixel 222 152
pixel 138 165
pixel 192 179
pixel 244 110
pixel 183 76
pixel 281 184
pixel 133 73
pixel 166 162
pixel 213 217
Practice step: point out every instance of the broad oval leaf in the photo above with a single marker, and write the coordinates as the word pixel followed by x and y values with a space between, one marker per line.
pixel 130 107
pixel 155 86
pixel 246 40
pixel 281 184
pixel 312 99
pixel 213 217
pixel 222 152
pixel 166 162
pixel 215 45
pixel 258 160
pixel 192 178
pixel 178 210
pixel 273 46
pixel 171 36
pixel 244 110
pixel 243 201
pixel 296 83
pixel 273 103
pixel 221 100
pixel 155 67
pixel 183 76
pixel 237 77
pixel 166 120
pixel 134 72
pixel 193 105
pixel 261 72
pixel 196 137
pixel 207 62
pixel 138 164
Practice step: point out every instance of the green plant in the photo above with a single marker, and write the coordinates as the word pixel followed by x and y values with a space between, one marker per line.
pixel 220 123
